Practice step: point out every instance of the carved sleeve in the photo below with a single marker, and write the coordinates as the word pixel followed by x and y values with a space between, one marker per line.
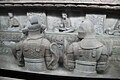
pixel 69 58
pixel 102 63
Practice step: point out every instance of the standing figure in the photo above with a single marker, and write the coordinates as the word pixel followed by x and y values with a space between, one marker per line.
pixel 89 55
pixel 13 23
pixel 65 24
pixel 33 51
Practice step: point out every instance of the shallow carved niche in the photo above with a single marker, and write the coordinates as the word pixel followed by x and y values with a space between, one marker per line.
pixel 3 22
pixel 55 20
pixel 76 18
pixel 98 21
pixel 112 25
pixel 16 22
pixel 116 29
pixel 110 22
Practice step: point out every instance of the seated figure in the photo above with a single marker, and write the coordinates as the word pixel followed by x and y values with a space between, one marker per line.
pixel 13 23
pixel 89 55
pixel 65 24
pixel 33 51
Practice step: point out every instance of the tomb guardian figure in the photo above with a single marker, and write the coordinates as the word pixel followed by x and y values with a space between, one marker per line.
pixel 33 52
pixel 88 55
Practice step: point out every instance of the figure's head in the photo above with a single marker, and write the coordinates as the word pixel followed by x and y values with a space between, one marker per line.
pixel 35 26
pixel 10 15
pixel 33 20
pixel 64 15
pixel 88 27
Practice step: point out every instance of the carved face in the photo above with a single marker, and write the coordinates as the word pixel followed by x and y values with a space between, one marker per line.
pixel 64 15
pixel 10 15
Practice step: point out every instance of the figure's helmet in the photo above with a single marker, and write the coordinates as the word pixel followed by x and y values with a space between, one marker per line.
pixel 33 20
pixel 89 41
pixel 88 26
pixel 34 24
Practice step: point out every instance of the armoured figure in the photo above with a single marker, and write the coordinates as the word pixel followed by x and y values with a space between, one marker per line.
pixel 89 55
pixel 34 51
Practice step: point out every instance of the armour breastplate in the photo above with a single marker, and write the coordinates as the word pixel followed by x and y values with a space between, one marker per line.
pixel 87 59
pixel 33 49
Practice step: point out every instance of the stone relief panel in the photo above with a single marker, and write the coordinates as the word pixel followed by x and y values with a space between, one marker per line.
pixel 59 37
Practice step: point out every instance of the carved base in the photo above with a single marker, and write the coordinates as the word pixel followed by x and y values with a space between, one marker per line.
pixel 37 65
pixel 85 67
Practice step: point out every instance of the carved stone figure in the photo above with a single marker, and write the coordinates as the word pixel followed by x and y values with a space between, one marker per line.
pixel 65 24
pixel 34 51
pixel 89 55
pixel 13 23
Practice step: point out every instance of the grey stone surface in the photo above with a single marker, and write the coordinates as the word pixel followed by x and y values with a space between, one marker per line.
pixel 46 25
